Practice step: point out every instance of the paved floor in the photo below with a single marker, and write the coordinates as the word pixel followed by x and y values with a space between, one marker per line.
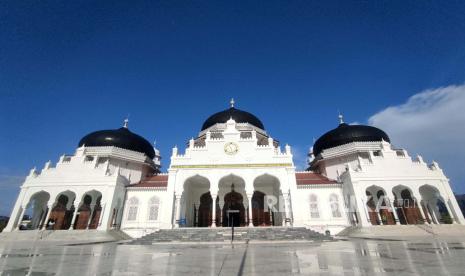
pixel 350 257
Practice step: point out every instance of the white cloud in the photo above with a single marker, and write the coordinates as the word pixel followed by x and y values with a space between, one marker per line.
pixel 11 181
pixel 431 123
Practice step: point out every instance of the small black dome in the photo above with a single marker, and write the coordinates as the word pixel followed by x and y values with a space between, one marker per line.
pixel 345 134
pixel 121 138
pixel 236 114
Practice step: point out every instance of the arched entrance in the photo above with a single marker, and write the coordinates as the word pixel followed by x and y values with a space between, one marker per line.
pixel 434 206
pixel 379 207
pixel 233 201
pixel 84 213
pixel 266 201
pixel 36 210
pixel 406 206
pixel 205 210
pixel 196 207
pixel 260 214
pixel 232 196
pixel 89 211
pixel 95 218
pixel 62 212
pixel 387 217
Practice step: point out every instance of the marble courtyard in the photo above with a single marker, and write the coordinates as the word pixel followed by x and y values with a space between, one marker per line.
pixel 339 257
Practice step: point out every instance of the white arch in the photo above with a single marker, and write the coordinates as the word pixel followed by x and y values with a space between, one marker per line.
pixel 431 200
pixel 70 194
pixel 37 204
pixel 265 179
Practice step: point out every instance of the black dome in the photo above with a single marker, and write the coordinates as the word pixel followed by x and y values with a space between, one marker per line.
pixel 236 114
pixel 121 138
pixel 345 133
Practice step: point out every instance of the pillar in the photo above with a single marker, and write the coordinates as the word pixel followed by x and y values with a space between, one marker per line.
pixel 214 210
pixel 73 220
pixel 417 201
pixel 363 212
pixel 427 214
pixel 49 211
pixel 177 207
pixel 23 210
pixel 378 215
pixel 422 212
pixel 287 205
pixel 394 211
pixel 92 210
pixel 12 223
pixel 196 218
pixel 449 210
pixel 221 213
pixel 432 211
pixel 249 197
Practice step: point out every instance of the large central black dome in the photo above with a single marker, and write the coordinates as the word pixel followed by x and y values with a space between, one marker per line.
pixel 121 138
pixel 237 115
pixel 345 134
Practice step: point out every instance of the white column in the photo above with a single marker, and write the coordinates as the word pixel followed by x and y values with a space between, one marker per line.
pixel 427 214
pixel 394 211
pixel 214 210
pixel 379 218
pixel 177 206
pixel 221 203
pixel 418 204
pixel 363 212
pixel 249 197
pixel 13 222
pixel 422 212
pixel 451 214
pixel 432 211
pixel 286 206
pixel 73 220
pixel 49 211
pixel 92 210
pixel 23 210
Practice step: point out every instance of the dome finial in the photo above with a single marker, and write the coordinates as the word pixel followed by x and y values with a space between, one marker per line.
pixel 341 118
pixel 232 102
pixel 126 122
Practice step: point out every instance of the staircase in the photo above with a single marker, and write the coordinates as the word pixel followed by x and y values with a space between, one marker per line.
pixel 224 234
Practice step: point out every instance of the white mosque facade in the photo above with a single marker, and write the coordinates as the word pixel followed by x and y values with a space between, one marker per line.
pixel 235 173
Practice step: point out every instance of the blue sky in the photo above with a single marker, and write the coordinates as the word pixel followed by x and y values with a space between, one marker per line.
pixel 71 67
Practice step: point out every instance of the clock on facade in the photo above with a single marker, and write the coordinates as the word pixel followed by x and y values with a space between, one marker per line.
pixel 231 148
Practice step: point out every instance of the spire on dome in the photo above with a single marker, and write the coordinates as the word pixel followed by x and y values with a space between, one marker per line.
pixel 341 118
pixel 126 122
pixel 232 102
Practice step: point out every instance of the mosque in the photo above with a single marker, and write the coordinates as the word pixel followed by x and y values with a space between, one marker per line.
pixel 235 173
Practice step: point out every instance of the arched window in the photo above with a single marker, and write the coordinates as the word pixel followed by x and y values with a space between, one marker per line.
pixel 334 202
pixel 314 212
pixel 154 204
pixel 133 205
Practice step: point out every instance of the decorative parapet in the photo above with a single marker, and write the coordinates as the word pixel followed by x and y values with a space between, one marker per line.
pixel 350 148
pixel 118 153
pixel 318 186
pixel 231 166
pixel 377 151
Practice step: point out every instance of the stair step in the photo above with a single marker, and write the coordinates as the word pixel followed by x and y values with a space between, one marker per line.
pixel 224 234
